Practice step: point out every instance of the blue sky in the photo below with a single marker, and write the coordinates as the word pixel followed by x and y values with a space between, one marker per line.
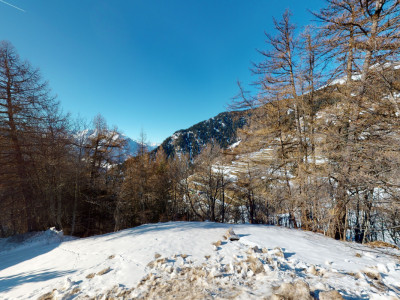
pixel 156 65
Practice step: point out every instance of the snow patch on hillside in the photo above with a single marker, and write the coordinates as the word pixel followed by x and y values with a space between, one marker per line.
pixel 234 145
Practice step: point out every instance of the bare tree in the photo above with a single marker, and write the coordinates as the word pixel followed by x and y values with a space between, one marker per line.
pixel 28 118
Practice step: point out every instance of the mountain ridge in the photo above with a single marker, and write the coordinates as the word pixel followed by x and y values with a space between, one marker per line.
pixel 131 147
pixel 221 129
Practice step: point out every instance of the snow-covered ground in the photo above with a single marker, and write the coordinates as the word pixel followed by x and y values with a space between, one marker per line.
pixel 183 260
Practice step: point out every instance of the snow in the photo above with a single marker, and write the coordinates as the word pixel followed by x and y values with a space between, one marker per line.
pixel 234 145
pixel 165 260
pixel 130 149
pixel 340 81
pixel 228 172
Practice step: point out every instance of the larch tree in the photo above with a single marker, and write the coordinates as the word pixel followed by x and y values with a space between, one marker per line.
pixel 102 154
pixel 30 125
pixel 363 37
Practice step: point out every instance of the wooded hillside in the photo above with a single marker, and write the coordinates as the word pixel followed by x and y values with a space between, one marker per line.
pixel 320 149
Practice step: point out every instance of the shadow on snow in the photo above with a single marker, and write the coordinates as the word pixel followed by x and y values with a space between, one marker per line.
pixel 9 282
pixel 14 257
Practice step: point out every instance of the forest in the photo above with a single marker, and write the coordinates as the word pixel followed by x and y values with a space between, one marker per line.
pixel 320 150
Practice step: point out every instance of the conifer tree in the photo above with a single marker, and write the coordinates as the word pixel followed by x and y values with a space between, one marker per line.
pixel 30 125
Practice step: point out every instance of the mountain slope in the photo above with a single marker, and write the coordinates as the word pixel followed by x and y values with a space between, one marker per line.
pixel 133 146
pixel 130 148
pixel 221 128
pixel 178 259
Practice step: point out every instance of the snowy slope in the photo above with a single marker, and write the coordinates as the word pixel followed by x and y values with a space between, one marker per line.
pixel 179 259
pixel 131 148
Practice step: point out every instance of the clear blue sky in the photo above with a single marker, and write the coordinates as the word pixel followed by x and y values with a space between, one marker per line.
pixel 160 65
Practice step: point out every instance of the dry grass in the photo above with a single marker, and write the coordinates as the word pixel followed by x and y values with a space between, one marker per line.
pixel 279 252
pixel 217 244
pixel 330 295
pixel 255 265
pixel 104 271
pixel 120 293
pixel 298 290
pixel 372 274
pixel 75 291
pixel 90 276
pixel 47 296
pixel 380 244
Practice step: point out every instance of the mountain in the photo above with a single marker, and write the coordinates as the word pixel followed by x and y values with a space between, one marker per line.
pixel 133 145
pixel 130 148
pixel 221 129
pixel 192 260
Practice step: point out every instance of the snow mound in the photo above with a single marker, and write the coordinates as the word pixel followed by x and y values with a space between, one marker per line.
pixel 33 239
pixel 182 260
